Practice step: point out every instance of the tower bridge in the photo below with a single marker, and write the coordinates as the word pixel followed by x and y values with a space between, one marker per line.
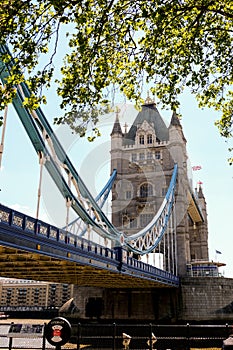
pixel 158 230
pixel 77 197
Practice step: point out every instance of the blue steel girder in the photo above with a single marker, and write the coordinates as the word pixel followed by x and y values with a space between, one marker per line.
pixel 79 227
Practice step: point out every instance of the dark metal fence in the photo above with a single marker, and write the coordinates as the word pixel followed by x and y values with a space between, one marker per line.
pixel 125 336
pixel 140 336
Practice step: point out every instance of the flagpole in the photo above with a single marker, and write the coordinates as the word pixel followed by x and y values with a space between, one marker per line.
pixel 216 253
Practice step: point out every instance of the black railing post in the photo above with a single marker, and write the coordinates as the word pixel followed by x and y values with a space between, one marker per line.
pixel 227 330
pixel 187 337
pixel 150 338
pixel 114 337
pixel 10 339
pixel 78 336
pixel 10 343
pixel 44 339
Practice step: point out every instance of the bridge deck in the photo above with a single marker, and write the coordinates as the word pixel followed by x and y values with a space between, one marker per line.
pixel 23 265
pixel 32 249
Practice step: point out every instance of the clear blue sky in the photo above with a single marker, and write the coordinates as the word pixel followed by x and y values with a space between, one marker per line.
pixel 208 149
pixel 19 176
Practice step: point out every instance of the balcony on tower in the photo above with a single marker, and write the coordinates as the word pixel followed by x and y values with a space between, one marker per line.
pixel 202 268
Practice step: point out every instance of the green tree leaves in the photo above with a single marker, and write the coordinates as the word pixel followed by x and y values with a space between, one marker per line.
pixel 119 45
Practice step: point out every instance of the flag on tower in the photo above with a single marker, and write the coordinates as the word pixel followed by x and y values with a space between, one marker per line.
pixel 196 167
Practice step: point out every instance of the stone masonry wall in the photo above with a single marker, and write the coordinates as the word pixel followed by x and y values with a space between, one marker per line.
pixel 206 299
pixel 198 300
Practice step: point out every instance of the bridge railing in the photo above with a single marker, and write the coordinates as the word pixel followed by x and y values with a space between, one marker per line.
pixel 149 268
pixel 37 227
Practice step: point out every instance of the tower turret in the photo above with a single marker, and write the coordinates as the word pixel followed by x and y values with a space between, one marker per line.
pixel 116 130
pixel 116 144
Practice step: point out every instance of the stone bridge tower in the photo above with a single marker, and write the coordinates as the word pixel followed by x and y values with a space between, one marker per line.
pixel 144 158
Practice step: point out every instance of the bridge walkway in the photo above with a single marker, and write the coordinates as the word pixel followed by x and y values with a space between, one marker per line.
pixel 32 249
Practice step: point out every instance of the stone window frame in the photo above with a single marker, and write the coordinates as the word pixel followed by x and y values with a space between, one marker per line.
pixel 147 191
pixel 141 139
pixel 149 139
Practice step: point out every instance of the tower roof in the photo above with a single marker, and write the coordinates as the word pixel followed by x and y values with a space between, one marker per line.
pixel 200 192
pixel 175 120
pixel 150 114
pixel 117 126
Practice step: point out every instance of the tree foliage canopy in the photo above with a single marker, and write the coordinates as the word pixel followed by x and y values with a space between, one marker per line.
pixel 121 45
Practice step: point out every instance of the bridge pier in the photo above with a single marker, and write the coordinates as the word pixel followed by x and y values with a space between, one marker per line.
pixel 198 300
pixel 159 304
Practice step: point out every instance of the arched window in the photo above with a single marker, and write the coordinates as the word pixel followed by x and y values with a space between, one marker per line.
pixel 149 139
pixel 146 190
pixel 141 139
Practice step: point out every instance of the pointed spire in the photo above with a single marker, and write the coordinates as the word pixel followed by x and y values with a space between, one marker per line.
pixel 175 119
pixel 117 127
pixel 176 125
pixel 200 192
